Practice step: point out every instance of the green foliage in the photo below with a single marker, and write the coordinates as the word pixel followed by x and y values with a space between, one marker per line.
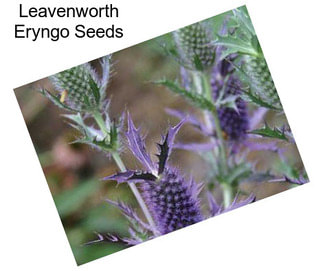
pixel 194 98
pixel 236 174
pixel 243 40
pixel 86 254
pixel 105 218
pixel 267 131
pixel 56 100
pixel 71 200
pixel 233 45
pixel 93 137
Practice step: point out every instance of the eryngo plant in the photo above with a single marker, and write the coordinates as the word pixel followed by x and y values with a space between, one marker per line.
pixel 214 81
pixel 238 74
pixel 242 40
pixel 172 199
pixel 83 92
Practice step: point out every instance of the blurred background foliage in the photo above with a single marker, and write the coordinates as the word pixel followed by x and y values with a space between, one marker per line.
pixel 73 171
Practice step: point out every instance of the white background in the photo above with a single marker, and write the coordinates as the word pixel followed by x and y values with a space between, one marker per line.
pixel 283 232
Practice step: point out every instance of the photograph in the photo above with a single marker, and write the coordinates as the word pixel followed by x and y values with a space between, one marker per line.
pixel 161 135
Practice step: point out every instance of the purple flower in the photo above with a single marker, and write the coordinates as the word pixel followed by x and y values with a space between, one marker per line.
pixel 172 200
pixel 234 123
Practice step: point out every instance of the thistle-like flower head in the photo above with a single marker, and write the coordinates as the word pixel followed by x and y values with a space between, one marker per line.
pixel 80 88
pixel 193 43
pixel 234 121
pixel 260 80
pixel 172 200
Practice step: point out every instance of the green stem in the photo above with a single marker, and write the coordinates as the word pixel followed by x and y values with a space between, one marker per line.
pixel 217 126
pixel 227 189
pixel 135 191
pixel 116 157
pixel 227 192
pixel 104 127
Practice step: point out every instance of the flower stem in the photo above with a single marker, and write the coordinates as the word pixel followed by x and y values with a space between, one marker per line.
pixel 217 126
pixel 227 193
pixel 104 126
pixel 227 189
pixel 135 191
pixel 116 157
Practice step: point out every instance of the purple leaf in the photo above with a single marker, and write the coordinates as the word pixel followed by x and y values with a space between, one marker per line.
pixel 130 175
pixel 107 237
pixel 130 213
pixel 137 146
pixel 301 180
pixel 166 146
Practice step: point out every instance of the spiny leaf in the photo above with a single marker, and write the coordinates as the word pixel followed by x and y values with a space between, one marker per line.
pixel 235 45
pixel 95 90
pixel 243 40
pixel 55 100
pixel 270 132
pixel 162 156
pixel 241 15
pixel 138 147
pixel 196 99
pixel 92 137
pixel 167 145
pixel 257 100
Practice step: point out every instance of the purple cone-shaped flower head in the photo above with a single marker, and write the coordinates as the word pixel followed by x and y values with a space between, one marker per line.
pixel 172 200
pixel 234 122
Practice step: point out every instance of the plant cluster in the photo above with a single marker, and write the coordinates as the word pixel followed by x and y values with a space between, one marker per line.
pixel 224 75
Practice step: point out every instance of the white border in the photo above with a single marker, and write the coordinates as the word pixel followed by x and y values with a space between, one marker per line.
pixel 283 232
